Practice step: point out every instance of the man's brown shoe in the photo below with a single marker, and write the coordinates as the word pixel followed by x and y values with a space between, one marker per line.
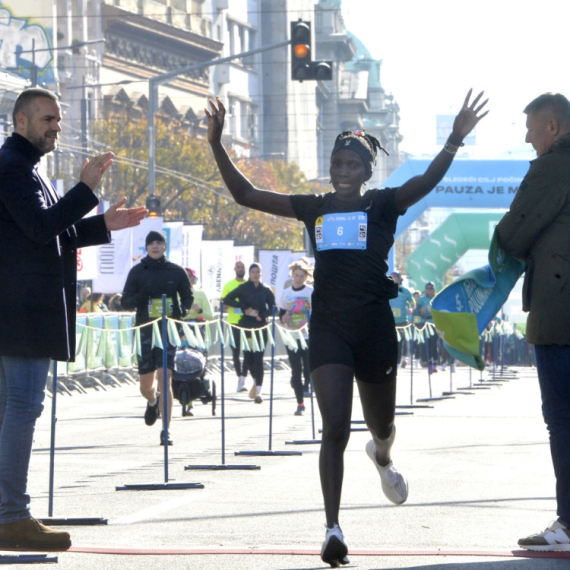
pixel 30 534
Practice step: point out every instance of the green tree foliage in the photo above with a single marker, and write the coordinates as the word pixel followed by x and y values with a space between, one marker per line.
pixel 190 187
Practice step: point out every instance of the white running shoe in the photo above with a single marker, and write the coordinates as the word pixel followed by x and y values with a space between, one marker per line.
pixel 334 549
pixel 394 484
pixel 241 384
pixel 555 537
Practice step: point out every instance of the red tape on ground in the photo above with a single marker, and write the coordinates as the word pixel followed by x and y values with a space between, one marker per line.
pixel 310 552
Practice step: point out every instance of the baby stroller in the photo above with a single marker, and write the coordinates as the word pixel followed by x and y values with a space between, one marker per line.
pixel 188 379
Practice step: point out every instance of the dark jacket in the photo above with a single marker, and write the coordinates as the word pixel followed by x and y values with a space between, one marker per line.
pixel 260 298
pixel 40 234
pixel 535 230
pixel 152 278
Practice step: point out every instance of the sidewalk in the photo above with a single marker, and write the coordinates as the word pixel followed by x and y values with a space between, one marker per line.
pixel 478 465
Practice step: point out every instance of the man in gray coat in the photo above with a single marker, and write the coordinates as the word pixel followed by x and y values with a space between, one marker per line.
pixel 40 236
pixel 536 230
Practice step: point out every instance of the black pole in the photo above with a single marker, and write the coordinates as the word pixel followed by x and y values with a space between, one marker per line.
pixel 84 135
pixel 165 387
pixel 52 439
pixel 222 381
pixel 426 342
pixel 412 367
pixel 61 521
pixel 272 375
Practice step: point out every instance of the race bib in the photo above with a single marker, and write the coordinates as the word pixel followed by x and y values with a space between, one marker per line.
pixel 396 312
pixel 155 308
pixel 341 231
pixel 417 319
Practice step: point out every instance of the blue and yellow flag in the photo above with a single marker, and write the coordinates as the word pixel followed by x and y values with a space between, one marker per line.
pixel 465 307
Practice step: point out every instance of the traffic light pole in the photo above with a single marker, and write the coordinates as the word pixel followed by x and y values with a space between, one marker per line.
pixel 157 80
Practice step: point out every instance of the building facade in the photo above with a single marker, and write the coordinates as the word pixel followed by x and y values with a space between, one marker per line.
pixel 126 42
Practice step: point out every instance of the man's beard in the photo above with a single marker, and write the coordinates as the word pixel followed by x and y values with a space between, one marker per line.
pixel 42 142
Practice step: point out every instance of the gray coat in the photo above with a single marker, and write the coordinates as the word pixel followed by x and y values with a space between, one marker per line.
pixel 536 230
pixel 40 234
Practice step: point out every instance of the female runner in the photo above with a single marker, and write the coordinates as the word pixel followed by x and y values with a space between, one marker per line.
pixel 256 301
pixel 352 327
pixel 295 312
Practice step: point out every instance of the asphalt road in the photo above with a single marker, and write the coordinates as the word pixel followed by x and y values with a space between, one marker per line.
pixel 478 465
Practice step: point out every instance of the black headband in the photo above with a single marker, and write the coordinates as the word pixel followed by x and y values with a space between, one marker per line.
pixel 362 144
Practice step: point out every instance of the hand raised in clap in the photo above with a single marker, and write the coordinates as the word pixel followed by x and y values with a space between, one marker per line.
pixel 93 170
pixel 119 218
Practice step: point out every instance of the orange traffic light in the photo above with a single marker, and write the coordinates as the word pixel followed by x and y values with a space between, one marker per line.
pixel 302 65
pixel 153 206
pixel 301 51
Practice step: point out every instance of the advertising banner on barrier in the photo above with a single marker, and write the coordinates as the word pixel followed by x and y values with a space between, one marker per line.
pixel 113 263
pixel 94 358
pixel 174 239
pixel 80 363
pixel 125 349
pixel 138 250
pixel 217 266
pixel 275 268
pixel 191 245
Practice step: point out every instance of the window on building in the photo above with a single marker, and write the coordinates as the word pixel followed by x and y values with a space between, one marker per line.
pixel 250 36
pixel 244 117
pixel 252 122
pixel 252 39
pixel 242 32
pixel 231 39
pixel 206 28
pixel 247 120
pixel 232 119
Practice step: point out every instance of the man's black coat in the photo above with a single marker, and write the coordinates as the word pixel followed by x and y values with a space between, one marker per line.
pixel 39 237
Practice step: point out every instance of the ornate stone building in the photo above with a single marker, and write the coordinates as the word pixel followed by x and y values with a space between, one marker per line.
pixel 270 116
pixel 142 39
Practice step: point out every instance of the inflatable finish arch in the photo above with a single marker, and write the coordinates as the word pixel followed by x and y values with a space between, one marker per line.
pixel 481 184
pixel 458 234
